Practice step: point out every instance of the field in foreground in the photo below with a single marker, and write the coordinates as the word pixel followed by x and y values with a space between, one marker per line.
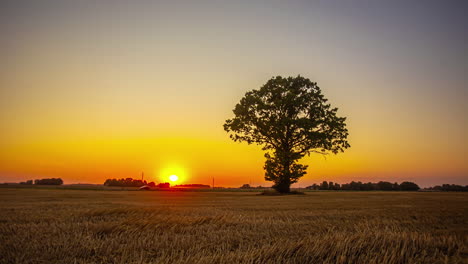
pixel 80 226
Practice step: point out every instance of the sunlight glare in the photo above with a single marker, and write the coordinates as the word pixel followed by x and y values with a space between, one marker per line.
pixel 173 178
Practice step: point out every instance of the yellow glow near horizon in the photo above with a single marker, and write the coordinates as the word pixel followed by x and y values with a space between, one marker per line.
pixel 173 173
pixel 84 103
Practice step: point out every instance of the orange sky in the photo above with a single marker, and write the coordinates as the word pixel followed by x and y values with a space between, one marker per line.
pixel 89 92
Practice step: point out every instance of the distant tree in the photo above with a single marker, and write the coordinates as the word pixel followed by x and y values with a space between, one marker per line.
pixel 409 186
pixel 324 185
pixel 164 185
pixel 355 186
pixel 368 186
pixel 245 186
pixel 313 187
pixel 454 188
pixel 290 118
pixel 28 182
pixel 151 184
pixel 384 186
pixel 127 182
pixel 449 188
pixel 337 186
pixel 49 181
pixel 331 185
pixel 196 185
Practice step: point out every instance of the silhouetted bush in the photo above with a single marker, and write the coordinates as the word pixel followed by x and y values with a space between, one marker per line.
pixel 164 185
pixel 449 188
pixel 127 182
pixel 28 182
pixel 313 187
pixel 369 186
pixel 193 186
pixel 409 186
pixel 323 186
pixel 51 181
pixel 385 186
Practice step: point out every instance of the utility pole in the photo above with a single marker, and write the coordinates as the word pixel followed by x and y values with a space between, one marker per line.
pixel 213 183
pixel 142 175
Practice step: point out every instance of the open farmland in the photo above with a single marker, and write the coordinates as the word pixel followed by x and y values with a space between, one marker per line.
pixel 89 226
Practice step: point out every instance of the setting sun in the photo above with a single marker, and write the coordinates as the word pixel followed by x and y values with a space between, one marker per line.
pixel 173 178
pixel 173 172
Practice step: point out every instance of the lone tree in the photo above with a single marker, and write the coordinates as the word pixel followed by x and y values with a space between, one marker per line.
pixel 289 118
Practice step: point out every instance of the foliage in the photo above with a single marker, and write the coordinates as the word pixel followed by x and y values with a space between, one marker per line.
pixel 359 186
pixel 130 182
pixel 409 186
pixel 195 185
pixel 449 188
pixel 125 182
pixel 164 185
pixel 289 118
pixel 50 181
pixel 28 182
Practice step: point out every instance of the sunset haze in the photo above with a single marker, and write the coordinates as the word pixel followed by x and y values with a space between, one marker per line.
pixel 91 90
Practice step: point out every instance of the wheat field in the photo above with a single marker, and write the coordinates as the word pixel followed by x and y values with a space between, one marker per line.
pixel 89 226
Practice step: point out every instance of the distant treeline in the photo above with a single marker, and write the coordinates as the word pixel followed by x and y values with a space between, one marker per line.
pixel 50 181
pixel 125 182
pixel 360 186
pixel 130 182
pixel 192 186
pixel 352 186
pixel 247 186
pixel 449 188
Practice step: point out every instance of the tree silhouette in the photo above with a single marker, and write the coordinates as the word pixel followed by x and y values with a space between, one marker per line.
pixel 409 186
pixel 49 181
pixel 324 185
pixel 381 186
pixel 289 118
pixel 127 182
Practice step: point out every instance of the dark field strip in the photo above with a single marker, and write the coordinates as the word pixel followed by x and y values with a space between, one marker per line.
pixel 80 226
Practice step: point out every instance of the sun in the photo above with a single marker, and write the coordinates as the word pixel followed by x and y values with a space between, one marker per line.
pixel 173 173
pixel 173 178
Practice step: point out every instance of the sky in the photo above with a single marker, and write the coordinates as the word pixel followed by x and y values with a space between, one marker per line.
pixel 91 90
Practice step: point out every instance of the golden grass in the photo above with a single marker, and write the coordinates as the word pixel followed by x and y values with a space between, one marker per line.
pixel 80 226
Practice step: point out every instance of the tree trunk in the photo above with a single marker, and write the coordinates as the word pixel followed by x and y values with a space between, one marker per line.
pixel 284 182
pixel 282 187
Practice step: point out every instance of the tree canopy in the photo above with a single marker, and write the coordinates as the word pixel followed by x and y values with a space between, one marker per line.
pixel 49 181
pixel 290 118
